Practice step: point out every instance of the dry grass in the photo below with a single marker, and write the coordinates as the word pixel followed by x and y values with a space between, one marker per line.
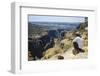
pixel 66 43
pixel 66 51
pixel 64 48
pixel 52 51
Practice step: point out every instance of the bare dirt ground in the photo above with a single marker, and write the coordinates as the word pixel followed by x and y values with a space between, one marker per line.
pixel 69 55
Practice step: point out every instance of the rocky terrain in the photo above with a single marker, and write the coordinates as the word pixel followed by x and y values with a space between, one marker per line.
pixel 63 48
pixel 66 52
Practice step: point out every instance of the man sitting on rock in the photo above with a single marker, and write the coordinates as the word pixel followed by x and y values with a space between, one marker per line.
pixel 78 44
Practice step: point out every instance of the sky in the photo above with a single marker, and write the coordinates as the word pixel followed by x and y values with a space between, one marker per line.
pixel 34 18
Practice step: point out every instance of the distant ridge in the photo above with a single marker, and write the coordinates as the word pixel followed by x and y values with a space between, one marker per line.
pixel 38 27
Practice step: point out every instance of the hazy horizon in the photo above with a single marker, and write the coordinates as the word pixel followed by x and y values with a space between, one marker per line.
pixel 69 19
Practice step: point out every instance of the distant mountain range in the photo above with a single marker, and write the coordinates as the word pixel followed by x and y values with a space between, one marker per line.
pixel 39 26
pixel 55 25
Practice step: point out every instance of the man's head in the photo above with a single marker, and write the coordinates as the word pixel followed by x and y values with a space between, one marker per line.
pixel 77 34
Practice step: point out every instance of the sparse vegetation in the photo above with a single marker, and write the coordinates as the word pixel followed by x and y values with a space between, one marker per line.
pixel 64 45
